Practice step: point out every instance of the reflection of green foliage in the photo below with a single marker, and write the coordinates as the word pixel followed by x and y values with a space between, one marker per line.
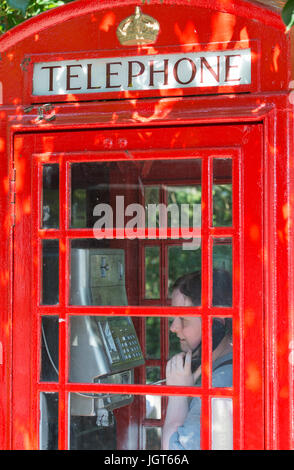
pixel 153 337
pixel 151 194
pixel 152 284
pixel 222 257
pixel 152 374
pixel 14 12
pixel 183 196
pixel 182 262
pixel 222 205
pixel 79 208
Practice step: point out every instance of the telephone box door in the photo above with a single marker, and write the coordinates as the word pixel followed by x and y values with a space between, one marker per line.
pixel 59 180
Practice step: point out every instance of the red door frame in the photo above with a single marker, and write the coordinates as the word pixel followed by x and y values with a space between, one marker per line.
pixel 23 217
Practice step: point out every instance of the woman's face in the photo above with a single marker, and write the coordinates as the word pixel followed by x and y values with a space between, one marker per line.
pixel 187 329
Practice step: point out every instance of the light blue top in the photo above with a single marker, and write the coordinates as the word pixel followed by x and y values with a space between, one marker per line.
pixel 187 436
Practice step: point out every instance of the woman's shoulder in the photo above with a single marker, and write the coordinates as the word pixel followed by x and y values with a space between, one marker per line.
pixel 222 371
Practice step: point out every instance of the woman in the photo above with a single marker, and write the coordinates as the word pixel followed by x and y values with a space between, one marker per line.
pixel 181 429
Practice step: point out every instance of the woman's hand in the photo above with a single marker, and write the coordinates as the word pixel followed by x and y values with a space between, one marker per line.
pixel 178 370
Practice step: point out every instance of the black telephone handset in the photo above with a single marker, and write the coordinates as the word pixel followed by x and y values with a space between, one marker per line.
pixel 218 333
pixel 196 358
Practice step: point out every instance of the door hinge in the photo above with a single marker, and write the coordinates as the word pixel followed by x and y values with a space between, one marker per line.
pixel 12 196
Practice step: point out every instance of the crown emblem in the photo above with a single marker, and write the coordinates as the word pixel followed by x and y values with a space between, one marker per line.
pixel 137 29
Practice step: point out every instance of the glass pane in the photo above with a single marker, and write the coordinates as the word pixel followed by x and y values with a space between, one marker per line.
pixel 182 262
pixel 153 407
pixel 93 420
pixel 48 421
pixel 89 186
pixel 100 276
pixel 222 272
pixel 50 209
pixel 222 192
pixel 222 424
pixel 50 272
pixel 126 194
pixel 108 350
pixel 187 436
pixel 152 277
pixel 152 438
pixel 152 374
pixel 96 428
pixel 50 349
pixel 187 199
pixel 97 273
pixel 103 349
pixel 153 337
pixel 222 352
pixel 152 200
pixel 153 402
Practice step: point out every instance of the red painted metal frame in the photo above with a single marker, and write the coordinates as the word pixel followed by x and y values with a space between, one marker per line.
pixel 271 375
pixel 270 107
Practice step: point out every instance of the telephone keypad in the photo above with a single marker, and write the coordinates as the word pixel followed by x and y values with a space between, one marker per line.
pixel 129 346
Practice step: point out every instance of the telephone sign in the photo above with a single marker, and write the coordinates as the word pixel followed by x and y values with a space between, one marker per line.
pixel 151 72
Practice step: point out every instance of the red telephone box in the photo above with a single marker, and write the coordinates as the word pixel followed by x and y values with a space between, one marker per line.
pixel 140 143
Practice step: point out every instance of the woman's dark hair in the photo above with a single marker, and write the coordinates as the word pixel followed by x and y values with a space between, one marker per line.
pixel 190 286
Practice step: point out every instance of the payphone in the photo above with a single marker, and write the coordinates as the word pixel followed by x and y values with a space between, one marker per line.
pixel 102 349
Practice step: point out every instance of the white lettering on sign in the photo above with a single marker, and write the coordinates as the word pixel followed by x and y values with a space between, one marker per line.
pixel 153 72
